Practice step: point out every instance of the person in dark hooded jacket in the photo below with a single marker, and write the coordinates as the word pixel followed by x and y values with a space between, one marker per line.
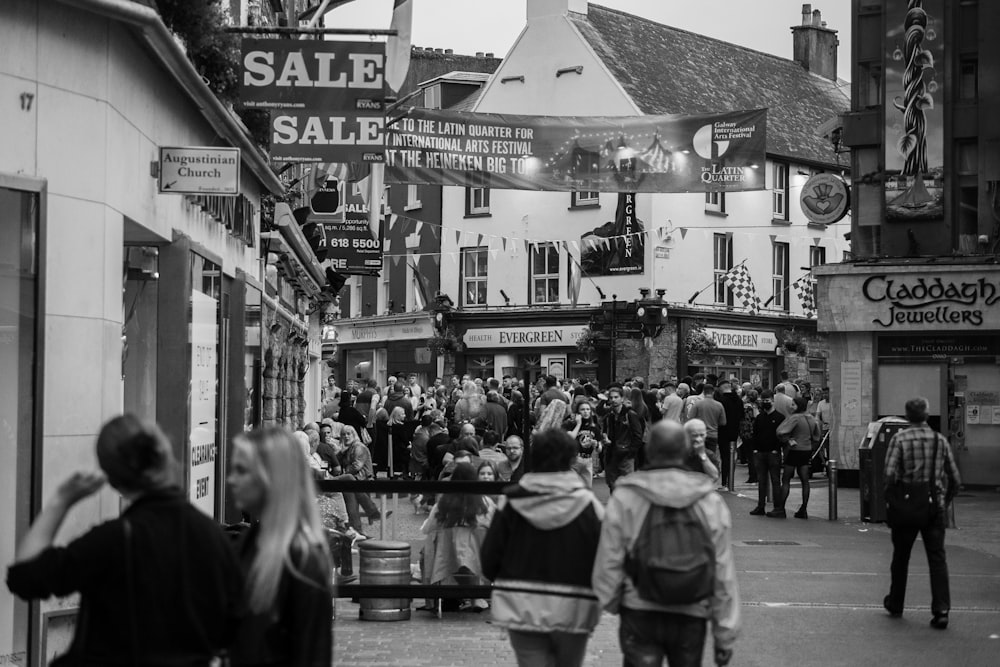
pixel 539 553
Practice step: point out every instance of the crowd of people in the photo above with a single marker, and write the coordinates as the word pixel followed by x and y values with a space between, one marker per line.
pixel 417 432
pixel 164 584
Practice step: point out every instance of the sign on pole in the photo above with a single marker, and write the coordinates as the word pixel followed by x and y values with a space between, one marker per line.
pixel 310 74
pixel 199 170
pixel 327 136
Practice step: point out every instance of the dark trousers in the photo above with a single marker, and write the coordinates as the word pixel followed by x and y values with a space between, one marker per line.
pixel 902 546
pixel 768 466
pixel 353 500
pixel 725 452
pixel 618 465
pixel 647 637
pixel 712 451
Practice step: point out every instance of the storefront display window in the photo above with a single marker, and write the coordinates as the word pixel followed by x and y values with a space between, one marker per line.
pixel 757 371
pixel 252 370
pixel 203 465
pixel 19 253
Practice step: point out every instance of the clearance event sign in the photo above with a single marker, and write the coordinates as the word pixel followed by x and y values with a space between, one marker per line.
pixel 716 152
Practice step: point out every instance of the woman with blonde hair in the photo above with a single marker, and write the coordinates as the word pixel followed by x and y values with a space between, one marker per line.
pixel 159 584
pixel 471 404
pixel 285 557
pixel 553 416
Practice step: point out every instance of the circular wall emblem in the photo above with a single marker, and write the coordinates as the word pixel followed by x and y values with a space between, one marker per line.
pixel 825 198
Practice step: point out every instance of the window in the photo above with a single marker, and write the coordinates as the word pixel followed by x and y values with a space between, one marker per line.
pixel 412 198
pixel 715 202
pixel 722 262
pixel 477 196
pixel 474 264
pixel 779 275
pixel 585 199
pixel 817 255
pixel 544 279
pixel 356 298
pixel 779 192
pixel 432 97
pixel 968 79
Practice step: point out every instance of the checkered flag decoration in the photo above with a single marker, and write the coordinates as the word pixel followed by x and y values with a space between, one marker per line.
pixel 738 279
pixel 804 288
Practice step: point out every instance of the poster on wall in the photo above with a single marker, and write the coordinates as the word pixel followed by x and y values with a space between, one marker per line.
pixel 720 152
pixel 351 250
pixel 914 110
pixel 203 398
pixel 850 393
pixel 615 248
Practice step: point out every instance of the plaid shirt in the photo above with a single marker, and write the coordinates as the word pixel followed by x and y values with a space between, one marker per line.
pixel 909 460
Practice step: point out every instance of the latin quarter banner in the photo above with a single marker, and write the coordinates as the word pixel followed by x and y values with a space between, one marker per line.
pixel 721 152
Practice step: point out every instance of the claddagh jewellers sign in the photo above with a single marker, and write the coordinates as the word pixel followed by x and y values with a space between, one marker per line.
pixel 952 301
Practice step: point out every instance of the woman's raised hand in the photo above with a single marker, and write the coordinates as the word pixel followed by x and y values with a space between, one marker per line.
pixel 79 485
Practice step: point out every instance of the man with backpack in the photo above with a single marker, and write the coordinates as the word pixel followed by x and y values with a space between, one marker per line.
pixel 665 560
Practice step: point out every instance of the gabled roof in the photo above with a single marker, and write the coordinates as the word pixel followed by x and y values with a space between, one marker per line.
pixel 669 70
pixel 467 78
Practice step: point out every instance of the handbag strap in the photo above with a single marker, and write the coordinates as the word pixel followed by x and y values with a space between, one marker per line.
pixel 933 479
pixel 130 592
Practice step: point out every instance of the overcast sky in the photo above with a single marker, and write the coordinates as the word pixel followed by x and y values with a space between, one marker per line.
pixel 468 26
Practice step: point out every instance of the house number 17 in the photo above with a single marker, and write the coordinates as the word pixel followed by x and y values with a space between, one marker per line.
pixel 26 100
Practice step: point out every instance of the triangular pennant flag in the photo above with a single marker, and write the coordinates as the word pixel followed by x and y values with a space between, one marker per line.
pixel 454 257
pixel 458 237
pixel 418 227
pixel 503 242
pixel 494 252
pixel 387 246
pixel 684 232
pixel 479 240
pixel 576 246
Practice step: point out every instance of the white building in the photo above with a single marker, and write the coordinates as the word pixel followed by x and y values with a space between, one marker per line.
pixel 575 59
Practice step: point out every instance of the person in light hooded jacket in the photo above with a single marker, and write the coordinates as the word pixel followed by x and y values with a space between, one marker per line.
pixel 650 631
pixel 539 553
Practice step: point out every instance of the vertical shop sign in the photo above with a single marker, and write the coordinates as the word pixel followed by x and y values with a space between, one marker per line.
pixel 850 393
pixel 618 247
pixel 914 116
pixel 203 400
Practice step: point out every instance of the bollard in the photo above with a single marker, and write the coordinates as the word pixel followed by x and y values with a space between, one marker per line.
pixel 831 475
pixel 732 467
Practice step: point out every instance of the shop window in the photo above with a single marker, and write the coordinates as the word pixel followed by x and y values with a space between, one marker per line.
pixel 544 278
pixel 19 387
pixel 779 275
pixel 779 191
pixel 715 202
pixel 817 365
pixel 480 366
pixel 474 264
pixel 722 262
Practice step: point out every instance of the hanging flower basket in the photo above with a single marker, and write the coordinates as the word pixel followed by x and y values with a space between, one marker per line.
pixel 586 343
pixel 698 343
pixel 444 342
pixel 793 341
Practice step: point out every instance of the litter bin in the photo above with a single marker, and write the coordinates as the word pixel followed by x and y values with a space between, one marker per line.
pixel 871 466
pixel 384 562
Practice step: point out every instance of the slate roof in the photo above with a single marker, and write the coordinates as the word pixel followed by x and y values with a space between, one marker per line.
pixel 426 64
pixel 669 70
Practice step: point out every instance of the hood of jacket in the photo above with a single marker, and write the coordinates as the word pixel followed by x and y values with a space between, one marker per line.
pixel 553 499
pixel 669 487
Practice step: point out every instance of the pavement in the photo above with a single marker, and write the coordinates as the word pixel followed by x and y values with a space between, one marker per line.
pixel 811 594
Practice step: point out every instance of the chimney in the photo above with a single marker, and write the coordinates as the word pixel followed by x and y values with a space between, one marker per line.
pixel 814 46
pixel 480 54
pixel 542 8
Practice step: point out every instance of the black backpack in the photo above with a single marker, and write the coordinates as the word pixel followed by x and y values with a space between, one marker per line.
pixel 673 559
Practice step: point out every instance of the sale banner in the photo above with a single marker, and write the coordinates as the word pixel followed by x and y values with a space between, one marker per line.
pixel 722 152
pixel 311 74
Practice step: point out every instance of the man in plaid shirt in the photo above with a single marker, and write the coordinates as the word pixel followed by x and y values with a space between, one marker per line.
pixel 909 460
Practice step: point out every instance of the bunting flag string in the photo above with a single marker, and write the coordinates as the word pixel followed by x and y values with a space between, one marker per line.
pixel 739 280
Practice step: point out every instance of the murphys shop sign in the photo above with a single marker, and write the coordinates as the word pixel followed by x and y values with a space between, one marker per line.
pixel 932 301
